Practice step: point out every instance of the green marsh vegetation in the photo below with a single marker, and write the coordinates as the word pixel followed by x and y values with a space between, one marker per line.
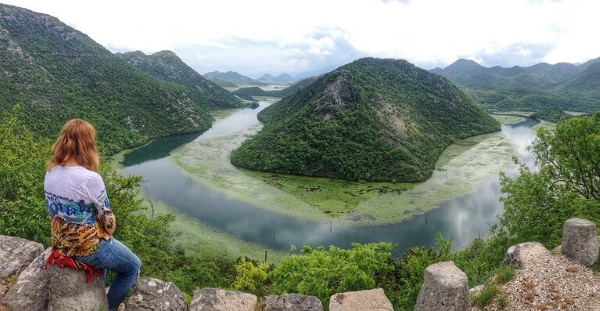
pixel 458 171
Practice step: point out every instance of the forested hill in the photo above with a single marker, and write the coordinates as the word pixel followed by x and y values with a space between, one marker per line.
pixel 167 66
pixel 55 73
pixel 372 119
pixel 560 86
pixel 230 77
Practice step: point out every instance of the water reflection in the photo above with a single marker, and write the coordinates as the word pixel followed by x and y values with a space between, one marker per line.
pixel 464 218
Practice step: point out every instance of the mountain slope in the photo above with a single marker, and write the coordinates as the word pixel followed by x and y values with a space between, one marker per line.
pixel 372 119
pixel 231 77
pixel 541 86
pixel 56 73
pixel 167 66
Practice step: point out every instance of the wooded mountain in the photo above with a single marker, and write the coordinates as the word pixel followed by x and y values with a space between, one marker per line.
pixel 283 78
pixel 167 66
pixel 230 77
pixel 372 119
pixel 560 86
pixel 56 73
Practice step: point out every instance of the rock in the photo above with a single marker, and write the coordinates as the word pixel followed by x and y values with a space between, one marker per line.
pixel 518 254
pixel 154 294
pixel 214 299
pixel 364 300
pixel 16 254
pixel 580 241
pixel 30 292
pixel 445 288
pixel 292 302
pixel 69 291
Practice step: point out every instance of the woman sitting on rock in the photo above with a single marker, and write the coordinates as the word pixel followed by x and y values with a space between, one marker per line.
pixel 82 220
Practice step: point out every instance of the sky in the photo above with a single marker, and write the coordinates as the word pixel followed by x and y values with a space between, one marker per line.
pixel 307 37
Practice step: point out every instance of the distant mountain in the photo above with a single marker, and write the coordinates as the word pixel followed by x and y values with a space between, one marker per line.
pixel 248 93
pixel 231 77
pixel 56 73
pixel 283 78
pixel 167 66
pixel 372 119
pixel 565 86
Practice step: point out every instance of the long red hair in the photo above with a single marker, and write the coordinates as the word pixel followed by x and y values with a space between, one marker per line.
pixel 76 141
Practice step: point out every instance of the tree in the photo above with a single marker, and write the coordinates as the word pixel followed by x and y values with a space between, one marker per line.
pixel 566 184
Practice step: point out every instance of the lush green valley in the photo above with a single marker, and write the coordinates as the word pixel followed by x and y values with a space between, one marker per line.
pixel 373 120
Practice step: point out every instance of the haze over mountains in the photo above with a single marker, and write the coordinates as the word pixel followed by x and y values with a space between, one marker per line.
pixel 233 79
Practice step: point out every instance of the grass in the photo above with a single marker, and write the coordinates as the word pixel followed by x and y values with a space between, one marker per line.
pixel 484 297
pixel 502 274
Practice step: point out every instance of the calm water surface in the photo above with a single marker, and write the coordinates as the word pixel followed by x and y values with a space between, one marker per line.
pixel 464 218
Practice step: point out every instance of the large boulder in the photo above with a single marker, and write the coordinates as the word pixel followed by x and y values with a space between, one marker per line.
pixel 70 291
pixel 292 302
pixel 30 292
pixel 580 241
pixel 154 294
pixel 16 254
pixel 364 300
pixel 215 299
pixel 445 288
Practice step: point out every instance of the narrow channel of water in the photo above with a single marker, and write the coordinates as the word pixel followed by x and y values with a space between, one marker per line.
pixel 464 218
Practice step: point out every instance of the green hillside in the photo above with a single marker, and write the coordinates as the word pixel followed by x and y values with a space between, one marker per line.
pixel 372 119
pixel 56 73
pixel 535 88
pixel 167 66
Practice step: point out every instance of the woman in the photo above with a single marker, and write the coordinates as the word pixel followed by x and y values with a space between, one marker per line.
pixel 82 221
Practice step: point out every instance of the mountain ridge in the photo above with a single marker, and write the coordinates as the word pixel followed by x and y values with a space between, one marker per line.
pixel 55 73
pixel 167 66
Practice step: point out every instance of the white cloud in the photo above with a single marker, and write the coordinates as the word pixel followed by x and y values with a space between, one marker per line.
pixel 259 36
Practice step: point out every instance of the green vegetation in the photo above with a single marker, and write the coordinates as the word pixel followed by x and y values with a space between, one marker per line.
pixel 567 185
pixel 57 73
pixel 167 66
pixel 561 86
pixel 372 120
pixel 571 151
pixel 550 114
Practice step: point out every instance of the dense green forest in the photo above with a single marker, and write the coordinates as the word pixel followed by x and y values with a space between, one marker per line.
pixel 56 73
pixel 372 119
pixel 168 67
pixel 537 203
pixel 561 86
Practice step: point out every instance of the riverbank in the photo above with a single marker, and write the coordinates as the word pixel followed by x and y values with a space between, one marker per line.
pixel 459 171
pixel 329 202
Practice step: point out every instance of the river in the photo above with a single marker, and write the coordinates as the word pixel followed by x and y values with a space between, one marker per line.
pixel 464 218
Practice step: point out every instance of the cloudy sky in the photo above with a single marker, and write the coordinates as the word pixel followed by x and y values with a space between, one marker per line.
pixel 303 37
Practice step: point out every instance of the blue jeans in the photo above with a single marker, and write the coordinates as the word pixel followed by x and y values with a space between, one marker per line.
pixel 115 256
